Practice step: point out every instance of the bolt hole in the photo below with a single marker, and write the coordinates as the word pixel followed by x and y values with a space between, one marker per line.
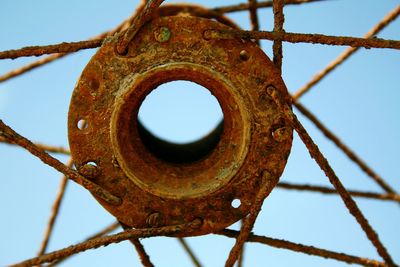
pixel 236 203
pixel 82 124
pixel 91 163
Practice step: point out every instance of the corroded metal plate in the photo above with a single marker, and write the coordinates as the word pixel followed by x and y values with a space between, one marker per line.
pixel 154 191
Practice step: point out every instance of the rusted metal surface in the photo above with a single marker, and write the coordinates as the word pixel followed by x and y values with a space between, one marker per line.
pixel 110 239
pixel 50 49
pixel 346 150
pixel 260 4
pixel 249 221
pixel 279 19
pixel 309 250
pixel 323 163
pixel 391 16
pixel 292 37
pixel 46 147
pixel 155 189
pixel 54 212
pixel 15 138
pixel 327 190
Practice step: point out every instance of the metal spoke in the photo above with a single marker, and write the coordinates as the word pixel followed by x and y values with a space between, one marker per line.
pixel 255 26
pixel 346 54
pixel 279 19
pixel 189 252
pixel 303 38
pixel 50 49
pixel 260 4
pixel 144 16
pixel 143 256
pixel 106 240
pixel 9 134
pixel 43 61
pixel 144 13
pixel 108 229
pixel 329 172
pixel 30 66
pixel 328 190
pixel 310 250
pixel 241 254
pixel 55 211
pixel 249 221
pixel 48 148
pixel 349 153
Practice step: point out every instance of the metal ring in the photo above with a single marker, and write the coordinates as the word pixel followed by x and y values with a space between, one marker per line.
pixel 255 137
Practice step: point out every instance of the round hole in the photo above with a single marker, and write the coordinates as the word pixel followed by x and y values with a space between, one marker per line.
pixel 90 170
pixel 82 124
pixel 91 163
pixel 180 122
pixel 236 203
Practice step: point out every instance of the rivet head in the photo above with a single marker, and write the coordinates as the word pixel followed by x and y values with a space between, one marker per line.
pixel 244 55
pixel 155 220
pixel 162 34
pixel 90 171
pixel 281 134
pixel 271 90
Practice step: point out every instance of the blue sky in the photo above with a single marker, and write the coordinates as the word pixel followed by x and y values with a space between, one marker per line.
pixel 359 102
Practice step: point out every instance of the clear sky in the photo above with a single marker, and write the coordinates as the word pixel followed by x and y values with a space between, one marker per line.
pixel 359 102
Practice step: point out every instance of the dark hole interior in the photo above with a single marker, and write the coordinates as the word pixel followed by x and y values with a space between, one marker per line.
pixel 180 153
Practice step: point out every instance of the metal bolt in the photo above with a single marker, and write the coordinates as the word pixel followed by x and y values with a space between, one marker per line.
pixel 281 134
pixel 90 170
pixel 115 162
pixel 162 34
pixel 271 90
pixel 155 220
pixel 244 55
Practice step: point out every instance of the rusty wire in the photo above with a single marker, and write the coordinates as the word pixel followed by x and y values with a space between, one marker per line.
pixel 106 230
pixel 279 19
pixel 143 256
pixel 255 25
pixel 144 16
pixel 68 47
pixel 54 212
pixel 303 38
pixel 327 190
pixel 106 240
pixel 334 180
pixel 43 61
pixel 50 49
pixel 249 221
pixel 346 54
pixel 349 153
pixel 259 4
pixel 7 135
pixel 189 252
pixel 48 148
pixel 310 250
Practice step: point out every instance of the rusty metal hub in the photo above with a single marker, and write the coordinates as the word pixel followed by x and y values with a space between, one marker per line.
pixel 158 183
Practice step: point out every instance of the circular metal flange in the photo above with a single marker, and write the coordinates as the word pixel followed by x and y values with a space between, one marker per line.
pixel 104 131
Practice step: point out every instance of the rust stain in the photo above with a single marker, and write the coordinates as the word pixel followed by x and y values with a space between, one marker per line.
pixel 156 184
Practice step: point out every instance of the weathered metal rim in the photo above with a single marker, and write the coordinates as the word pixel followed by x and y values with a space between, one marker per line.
pixel 131 152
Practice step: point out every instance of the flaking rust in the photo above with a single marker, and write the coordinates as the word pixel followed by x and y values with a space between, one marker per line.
pixel 157 185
